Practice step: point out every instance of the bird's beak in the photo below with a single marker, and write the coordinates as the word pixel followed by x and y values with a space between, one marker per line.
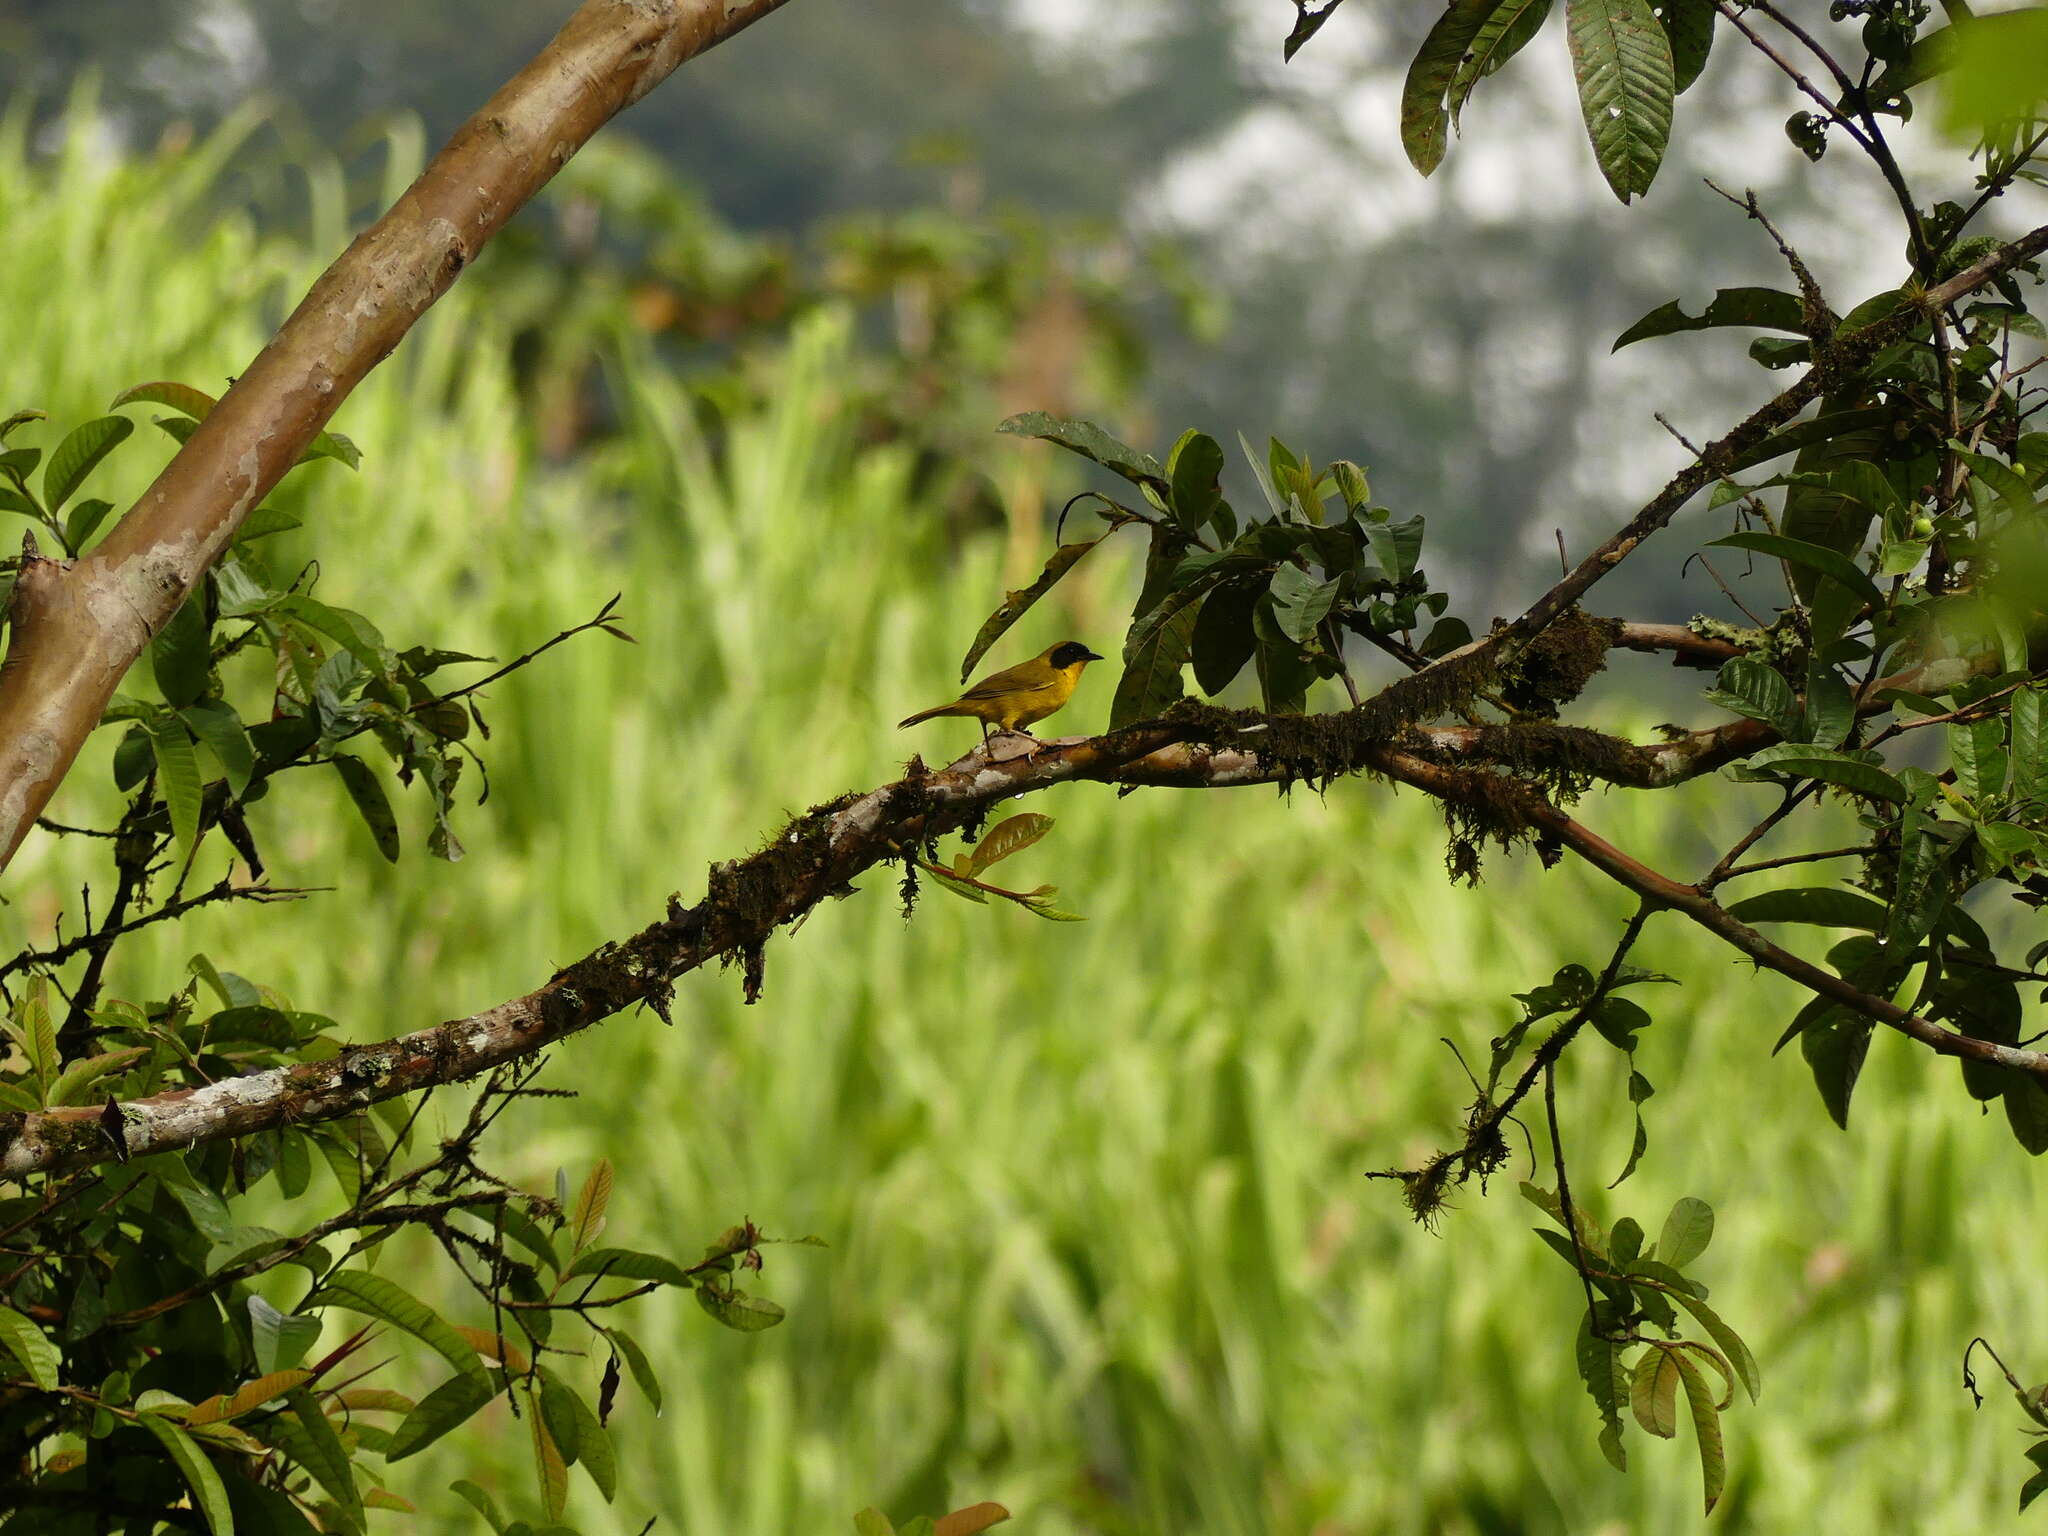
pixel 1090 656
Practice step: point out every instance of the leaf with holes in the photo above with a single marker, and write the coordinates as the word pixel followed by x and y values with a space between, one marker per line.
pixel 1091 442
pixel 1425 119
pixel 366 789
pixel 1621 58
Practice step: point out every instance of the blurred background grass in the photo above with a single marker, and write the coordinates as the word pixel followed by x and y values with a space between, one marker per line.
pixel 1100 1245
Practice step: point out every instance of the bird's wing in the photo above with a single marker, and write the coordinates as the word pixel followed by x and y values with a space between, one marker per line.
pixel 1018 679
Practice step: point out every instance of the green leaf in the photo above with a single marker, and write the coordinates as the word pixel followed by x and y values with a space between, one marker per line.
pixel 2015 497
pixel 1827 562
pixel 31 1346
pixel 737 1310
pixel 1830 708
pixel 357 634
pixel 448 1406
pixel 305 1435
pixel 1828 906
pixel 1834 1043
pixel 1091 442
pixel 332 445
pixel 481 1502
pixel 1224 638
pixel 1507 29
pixel 1153 657
pixel 220 729
pixel 264 521
pixel 2029 761
pixel 208 1495
pixel 1687 1231
pixel 1766 308
pixel 20 419
pixel 281 1339
pixel 84 522
pixel 1977 749
pixel 1016 604
pixel 1706 1426
pixel 1195 470
pixel 366 789
pixel 195 403
pixel 1690 25
pixel 586 1216
pixel 1425 119
pixel 178 655
pixel 569 1414
pixel 1621 58
pixel 1859 427
pixel 1301 603
pixel 637 1365
pixel 1726 1339
pixel 1396 546
pixel 627 1264
pixel 78 455
pixel 1751 688
pixel 1653 1392
pixel 1008 837
pixel 177 779
pixel 374 1296
pixel 1920 889
pixel 74 1083
pixel 954 886
pixel 1852 772
pixel 1606 1379
pixel 872 1522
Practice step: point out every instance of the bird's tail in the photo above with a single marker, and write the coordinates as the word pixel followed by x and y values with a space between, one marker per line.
pixel 931 714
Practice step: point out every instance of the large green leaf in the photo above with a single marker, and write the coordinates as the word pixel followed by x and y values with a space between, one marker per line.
pixel 1153 657
pixel 179 655
pixel 1752 688
pixel 1224 638
pixel 366 789
pixel 77 456
pixel 374 1296
pixel 1687 1230
pixel 1815 557
pixel 1606 1378
pixel 1091 442
pixel 1425 120
pixel 208 1495
pixel 1690 24
pixel 1726 1339
pixel 1767 308
pixel 220 728
pixel 177 778
pixel 1504 33
pixel 1301 602
pixel 1195 468
pixel 1706 1426
pixel 1827 906
pixel 31 1346
pixel 1854 771
pixel 1653 1392
pixel 448 1406
pixel 1621 57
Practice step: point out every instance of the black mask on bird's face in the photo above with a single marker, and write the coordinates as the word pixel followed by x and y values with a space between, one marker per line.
pixel 1069 652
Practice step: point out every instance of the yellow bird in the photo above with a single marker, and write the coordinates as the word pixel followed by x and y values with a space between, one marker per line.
pixel 1013 698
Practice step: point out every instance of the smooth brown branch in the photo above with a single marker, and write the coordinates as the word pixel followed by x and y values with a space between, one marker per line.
pixel 77 625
